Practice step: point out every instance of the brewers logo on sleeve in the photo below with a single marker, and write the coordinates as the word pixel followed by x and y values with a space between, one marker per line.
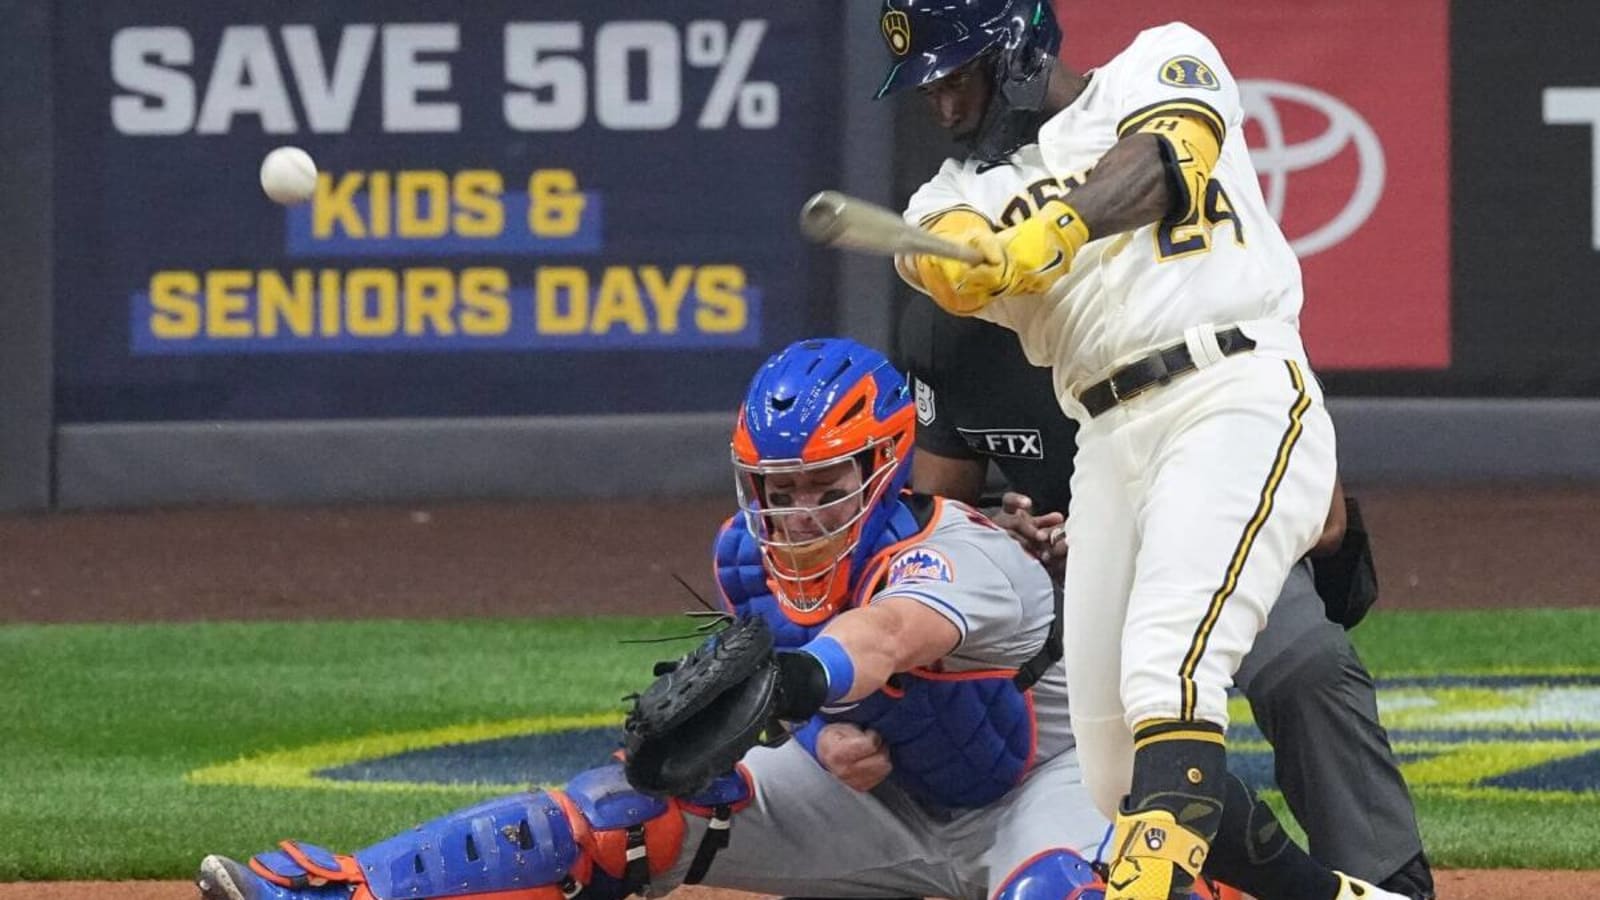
pixel 1188 72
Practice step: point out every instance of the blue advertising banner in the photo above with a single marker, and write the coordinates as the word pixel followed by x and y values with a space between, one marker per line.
pixel 569 207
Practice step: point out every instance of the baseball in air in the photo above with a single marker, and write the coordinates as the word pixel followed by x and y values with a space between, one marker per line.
pixel 289 176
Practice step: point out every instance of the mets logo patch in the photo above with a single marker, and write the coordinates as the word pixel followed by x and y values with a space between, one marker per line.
pixel 897 32
pixel 1188 72
pixel 921 564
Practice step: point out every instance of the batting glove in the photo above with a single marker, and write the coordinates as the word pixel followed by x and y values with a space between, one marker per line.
pixel 959 287
pixel 1040 250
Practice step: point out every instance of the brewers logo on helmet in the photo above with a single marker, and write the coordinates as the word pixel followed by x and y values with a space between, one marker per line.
pixel 897 31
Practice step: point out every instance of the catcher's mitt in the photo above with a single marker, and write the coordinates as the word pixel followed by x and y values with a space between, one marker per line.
pixel 702 714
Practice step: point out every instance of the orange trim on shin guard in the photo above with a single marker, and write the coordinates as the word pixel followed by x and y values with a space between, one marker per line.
pixel 663 838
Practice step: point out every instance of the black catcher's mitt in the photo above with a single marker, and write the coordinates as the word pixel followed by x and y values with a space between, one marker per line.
pixel 703 713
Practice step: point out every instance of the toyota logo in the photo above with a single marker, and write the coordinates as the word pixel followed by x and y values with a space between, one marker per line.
pixel 1275 160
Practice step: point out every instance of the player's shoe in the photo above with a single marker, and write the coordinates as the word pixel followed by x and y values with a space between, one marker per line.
pixel 221 878
pixel 1150 848
pixel 1356 889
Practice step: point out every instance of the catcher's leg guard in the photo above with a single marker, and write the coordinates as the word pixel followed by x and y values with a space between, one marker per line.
pixel 599 837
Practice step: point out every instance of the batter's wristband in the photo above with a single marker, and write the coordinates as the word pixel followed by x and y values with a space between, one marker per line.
pixel 836 663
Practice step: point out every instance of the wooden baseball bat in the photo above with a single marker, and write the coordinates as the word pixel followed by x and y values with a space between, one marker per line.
pixel 840 220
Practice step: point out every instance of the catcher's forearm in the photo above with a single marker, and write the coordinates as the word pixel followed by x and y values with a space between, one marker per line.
pixel 891 634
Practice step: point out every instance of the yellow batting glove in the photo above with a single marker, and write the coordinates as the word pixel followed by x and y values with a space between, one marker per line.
pixel 1041 249
pixel 959 287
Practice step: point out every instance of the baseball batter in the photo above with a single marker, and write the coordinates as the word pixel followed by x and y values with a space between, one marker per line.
pixel 1127 244
pixel 980 401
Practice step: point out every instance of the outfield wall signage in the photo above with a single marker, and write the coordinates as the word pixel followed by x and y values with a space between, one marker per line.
pixel 576 208
pixel 1354 167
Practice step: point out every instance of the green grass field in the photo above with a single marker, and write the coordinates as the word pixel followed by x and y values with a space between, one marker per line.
pixel 105 727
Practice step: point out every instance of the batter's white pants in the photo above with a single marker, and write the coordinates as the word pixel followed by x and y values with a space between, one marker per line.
pixel 1190 503
pixel 807 834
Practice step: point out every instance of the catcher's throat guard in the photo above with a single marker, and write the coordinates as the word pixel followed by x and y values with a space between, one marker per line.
pixel 808 550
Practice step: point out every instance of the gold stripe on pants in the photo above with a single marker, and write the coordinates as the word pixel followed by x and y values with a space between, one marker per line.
pixel 1197 647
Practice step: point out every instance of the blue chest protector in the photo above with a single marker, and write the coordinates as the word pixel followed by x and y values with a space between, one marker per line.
pixel 956 741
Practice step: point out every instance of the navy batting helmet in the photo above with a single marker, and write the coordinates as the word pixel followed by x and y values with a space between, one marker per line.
pixel 929 39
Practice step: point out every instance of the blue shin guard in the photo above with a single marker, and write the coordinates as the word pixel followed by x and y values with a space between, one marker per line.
pixel 599 837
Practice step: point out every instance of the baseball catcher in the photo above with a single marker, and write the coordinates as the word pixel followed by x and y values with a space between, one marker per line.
pixel 902 643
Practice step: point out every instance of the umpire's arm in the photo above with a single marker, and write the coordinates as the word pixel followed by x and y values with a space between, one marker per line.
pixel 1334 527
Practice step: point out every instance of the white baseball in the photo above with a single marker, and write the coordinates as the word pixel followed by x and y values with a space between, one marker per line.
pixel 289 176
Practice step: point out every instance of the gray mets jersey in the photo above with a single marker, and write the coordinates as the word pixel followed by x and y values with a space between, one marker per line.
pixel 999 598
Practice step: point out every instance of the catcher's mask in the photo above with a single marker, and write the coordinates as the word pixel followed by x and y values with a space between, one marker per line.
pixel 820 453
pixel 929 39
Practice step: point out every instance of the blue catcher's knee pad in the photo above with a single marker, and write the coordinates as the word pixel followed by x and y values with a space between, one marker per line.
pixel 1057 874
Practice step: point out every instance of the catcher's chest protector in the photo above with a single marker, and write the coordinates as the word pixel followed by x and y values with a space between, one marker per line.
pixel 957 740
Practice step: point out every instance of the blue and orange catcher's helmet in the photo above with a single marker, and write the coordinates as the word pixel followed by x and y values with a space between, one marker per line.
pixel 929 39
pixel 836 412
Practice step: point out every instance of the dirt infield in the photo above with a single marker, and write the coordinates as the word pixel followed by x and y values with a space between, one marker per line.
pixel 1459 884
pixel 1471 547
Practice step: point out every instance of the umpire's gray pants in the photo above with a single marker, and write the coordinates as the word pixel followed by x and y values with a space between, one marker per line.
pixel 1316 704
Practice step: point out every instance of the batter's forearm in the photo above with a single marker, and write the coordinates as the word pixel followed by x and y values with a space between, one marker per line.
pixel 1127 189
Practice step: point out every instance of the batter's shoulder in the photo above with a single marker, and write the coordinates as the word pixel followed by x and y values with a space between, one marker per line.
pixel 1159 43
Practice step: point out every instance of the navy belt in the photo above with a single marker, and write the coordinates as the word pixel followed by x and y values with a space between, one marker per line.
pixel 1155 370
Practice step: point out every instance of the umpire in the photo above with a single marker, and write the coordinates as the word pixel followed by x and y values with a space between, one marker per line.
pixel 980 400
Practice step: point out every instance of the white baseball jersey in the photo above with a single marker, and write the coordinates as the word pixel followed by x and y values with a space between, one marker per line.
pixel 1129 293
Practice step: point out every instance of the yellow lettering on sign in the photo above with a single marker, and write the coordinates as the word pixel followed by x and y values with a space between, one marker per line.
pixel 561 300
pixel 228 303
pixel 619 301
pixel 371 303
pixel 555 205
pixel 174 309
pixel 429 296
pixel 479 212
pixel 486 310
pixel 667 295
pixel 335 204
pixel 417 190
pixel 722 308
pixel 277 303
